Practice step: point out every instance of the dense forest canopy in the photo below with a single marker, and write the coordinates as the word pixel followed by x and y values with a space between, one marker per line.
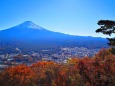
pixel 96 71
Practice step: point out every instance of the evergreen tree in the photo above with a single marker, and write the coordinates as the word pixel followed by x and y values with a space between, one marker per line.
pixel 107 27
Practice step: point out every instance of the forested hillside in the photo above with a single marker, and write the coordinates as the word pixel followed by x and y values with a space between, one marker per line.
pixel 96 71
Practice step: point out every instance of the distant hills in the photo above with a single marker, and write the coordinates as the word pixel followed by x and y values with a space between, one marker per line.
pixel 31 37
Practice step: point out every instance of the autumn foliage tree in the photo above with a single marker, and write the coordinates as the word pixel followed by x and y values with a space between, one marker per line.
pixel 96 71
pixel 20 75
pixel 99 70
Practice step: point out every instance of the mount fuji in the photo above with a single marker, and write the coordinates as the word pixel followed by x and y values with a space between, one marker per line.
pixel 29 36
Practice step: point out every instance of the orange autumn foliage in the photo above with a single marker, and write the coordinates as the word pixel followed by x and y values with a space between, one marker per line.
pixel 96 71
pixel 16 76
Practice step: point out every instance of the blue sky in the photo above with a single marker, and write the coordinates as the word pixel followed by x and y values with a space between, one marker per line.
pixel 76 17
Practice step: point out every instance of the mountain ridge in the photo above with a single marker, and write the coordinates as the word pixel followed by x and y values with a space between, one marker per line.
pixel 27 23
pixel 29 36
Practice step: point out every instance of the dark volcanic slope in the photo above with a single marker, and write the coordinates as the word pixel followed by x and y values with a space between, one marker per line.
pixel 29 36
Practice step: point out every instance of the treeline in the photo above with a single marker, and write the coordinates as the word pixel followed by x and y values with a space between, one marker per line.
pixel 96 71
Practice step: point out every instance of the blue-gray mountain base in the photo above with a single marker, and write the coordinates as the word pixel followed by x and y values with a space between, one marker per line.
pixel 31 37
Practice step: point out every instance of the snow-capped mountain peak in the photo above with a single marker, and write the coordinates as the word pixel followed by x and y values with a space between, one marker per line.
pixel 29 24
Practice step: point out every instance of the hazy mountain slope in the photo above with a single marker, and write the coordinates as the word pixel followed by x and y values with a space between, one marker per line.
pixel 29 36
